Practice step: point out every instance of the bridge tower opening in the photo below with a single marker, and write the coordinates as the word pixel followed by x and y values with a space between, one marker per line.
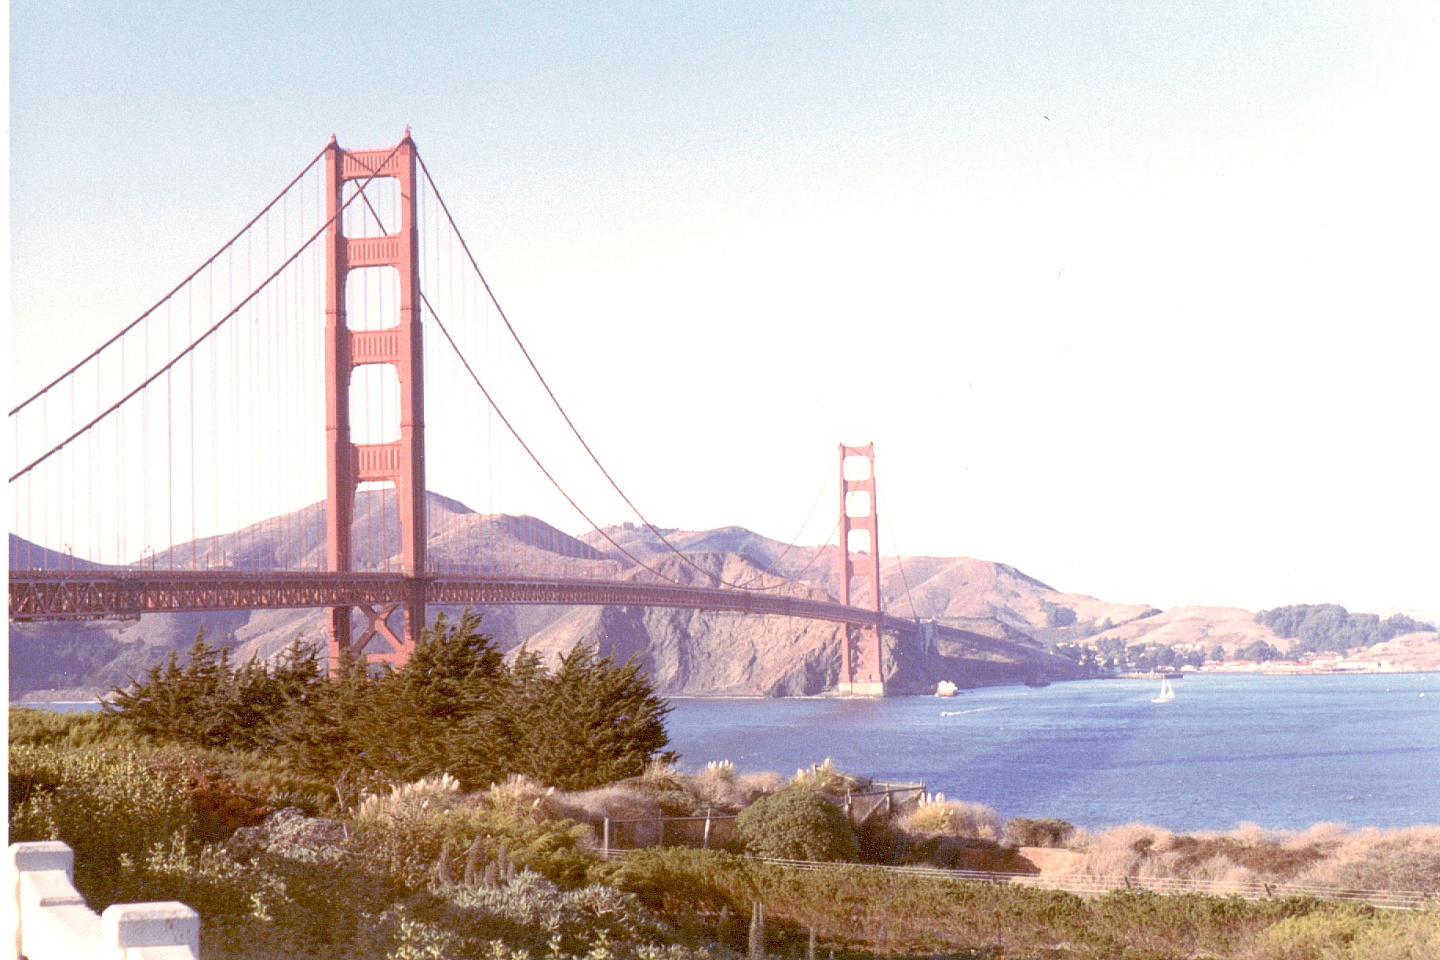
pixel 399 344
pixel 862 669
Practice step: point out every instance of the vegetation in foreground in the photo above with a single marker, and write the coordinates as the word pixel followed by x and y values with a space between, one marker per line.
pixel 369 848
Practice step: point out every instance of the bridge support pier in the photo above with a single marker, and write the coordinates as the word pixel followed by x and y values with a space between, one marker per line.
pixel 861 688
pixel 862 666
pixel 399 344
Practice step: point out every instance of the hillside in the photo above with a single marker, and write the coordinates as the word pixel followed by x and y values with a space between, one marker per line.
pixel 685 651
pixel 1196 627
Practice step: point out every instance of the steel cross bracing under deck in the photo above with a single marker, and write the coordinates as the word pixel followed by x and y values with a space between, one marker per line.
pixel 102 594
pixel 53 595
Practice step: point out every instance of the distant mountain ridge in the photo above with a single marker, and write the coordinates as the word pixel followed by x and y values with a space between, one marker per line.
pixel 685 651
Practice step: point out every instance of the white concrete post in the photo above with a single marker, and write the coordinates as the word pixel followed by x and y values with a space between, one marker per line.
pixel 127 926
pixel 51 920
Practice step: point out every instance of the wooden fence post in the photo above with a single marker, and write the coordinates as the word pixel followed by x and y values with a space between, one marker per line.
pixel 606 842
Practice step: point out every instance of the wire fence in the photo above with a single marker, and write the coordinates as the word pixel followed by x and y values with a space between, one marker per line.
pixel 882 798
pixel 871 799
pixel 712 831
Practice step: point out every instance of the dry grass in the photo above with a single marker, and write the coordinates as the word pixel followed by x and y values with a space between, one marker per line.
pixel 1407 859
pixel 937 816
pixel 824 777
pixel 720 787
pixel 760 784
pixel 618 802
pixel 412 799
pixel 519 796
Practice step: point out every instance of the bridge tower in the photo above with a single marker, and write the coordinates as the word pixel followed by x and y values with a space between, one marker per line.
pixel 399 344
pixel 860 556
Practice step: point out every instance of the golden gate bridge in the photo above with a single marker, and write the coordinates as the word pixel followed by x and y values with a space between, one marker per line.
pixel 258 439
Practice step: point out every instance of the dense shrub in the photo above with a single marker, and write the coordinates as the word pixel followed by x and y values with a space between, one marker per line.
pixel 1044 832
pixel 107 804
pixel 796 825
pixel 456 707
pixel 1330 627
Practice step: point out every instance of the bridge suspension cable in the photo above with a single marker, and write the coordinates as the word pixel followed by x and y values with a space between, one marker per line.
pixel 176 289
pixel 899 562
pixel 475 266
pixel 188 349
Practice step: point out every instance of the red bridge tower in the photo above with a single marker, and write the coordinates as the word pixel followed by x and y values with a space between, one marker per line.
pixel 862 667
pixel 400 344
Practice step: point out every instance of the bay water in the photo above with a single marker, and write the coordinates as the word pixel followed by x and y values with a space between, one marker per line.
pixel 1279 751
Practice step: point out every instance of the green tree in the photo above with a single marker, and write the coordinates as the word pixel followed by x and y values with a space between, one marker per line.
pixel 589 722
pixel 1259 651
pixel 448 709
pixel 797 825
pixel 190 704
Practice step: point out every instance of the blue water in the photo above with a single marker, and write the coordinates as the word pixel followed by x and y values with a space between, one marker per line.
pixel 1283 752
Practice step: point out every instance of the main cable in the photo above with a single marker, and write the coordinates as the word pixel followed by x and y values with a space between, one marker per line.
pixel 526 447
pixel 201 339
pixel 161 302
pixel 914 611
pixel 556 401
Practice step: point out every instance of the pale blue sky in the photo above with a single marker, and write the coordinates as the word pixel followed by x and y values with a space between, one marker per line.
pixel 1146 289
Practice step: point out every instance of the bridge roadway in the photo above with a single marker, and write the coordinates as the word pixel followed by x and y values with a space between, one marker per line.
pixel 100 594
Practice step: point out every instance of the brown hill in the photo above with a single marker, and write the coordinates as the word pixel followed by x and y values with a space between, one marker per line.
pixel 1410 651
pixel 1198 628
pixel 689 652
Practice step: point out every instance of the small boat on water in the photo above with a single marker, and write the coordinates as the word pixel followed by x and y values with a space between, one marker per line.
pixel 1167 692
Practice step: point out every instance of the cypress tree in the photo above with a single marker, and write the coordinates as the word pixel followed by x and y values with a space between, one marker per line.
pixel 591 722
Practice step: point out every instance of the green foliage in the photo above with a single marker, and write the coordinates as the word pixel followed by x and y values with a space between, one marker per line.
pixel 107 804
pixel 1044 832
pixel 209 703
pixel 455 708
pixel 377 887
pixel 1258 651
pixel 675 881
pixel 587 723
pixel 409 847
pixel 1330 628
pixel 797 824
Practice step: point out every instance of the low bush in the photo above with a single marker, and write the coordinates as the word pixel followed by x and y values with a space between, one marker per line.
pixel 107 804
pixel 1044 832
pixel 796 825
pixel 826 778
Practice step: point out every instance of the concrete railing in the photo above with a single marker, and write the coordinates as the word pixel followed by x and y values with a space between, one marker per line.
pixel 51 919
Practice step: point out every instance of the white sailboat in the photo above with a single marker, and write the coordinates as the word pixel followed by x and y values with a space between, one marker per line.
pixel 1167 692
